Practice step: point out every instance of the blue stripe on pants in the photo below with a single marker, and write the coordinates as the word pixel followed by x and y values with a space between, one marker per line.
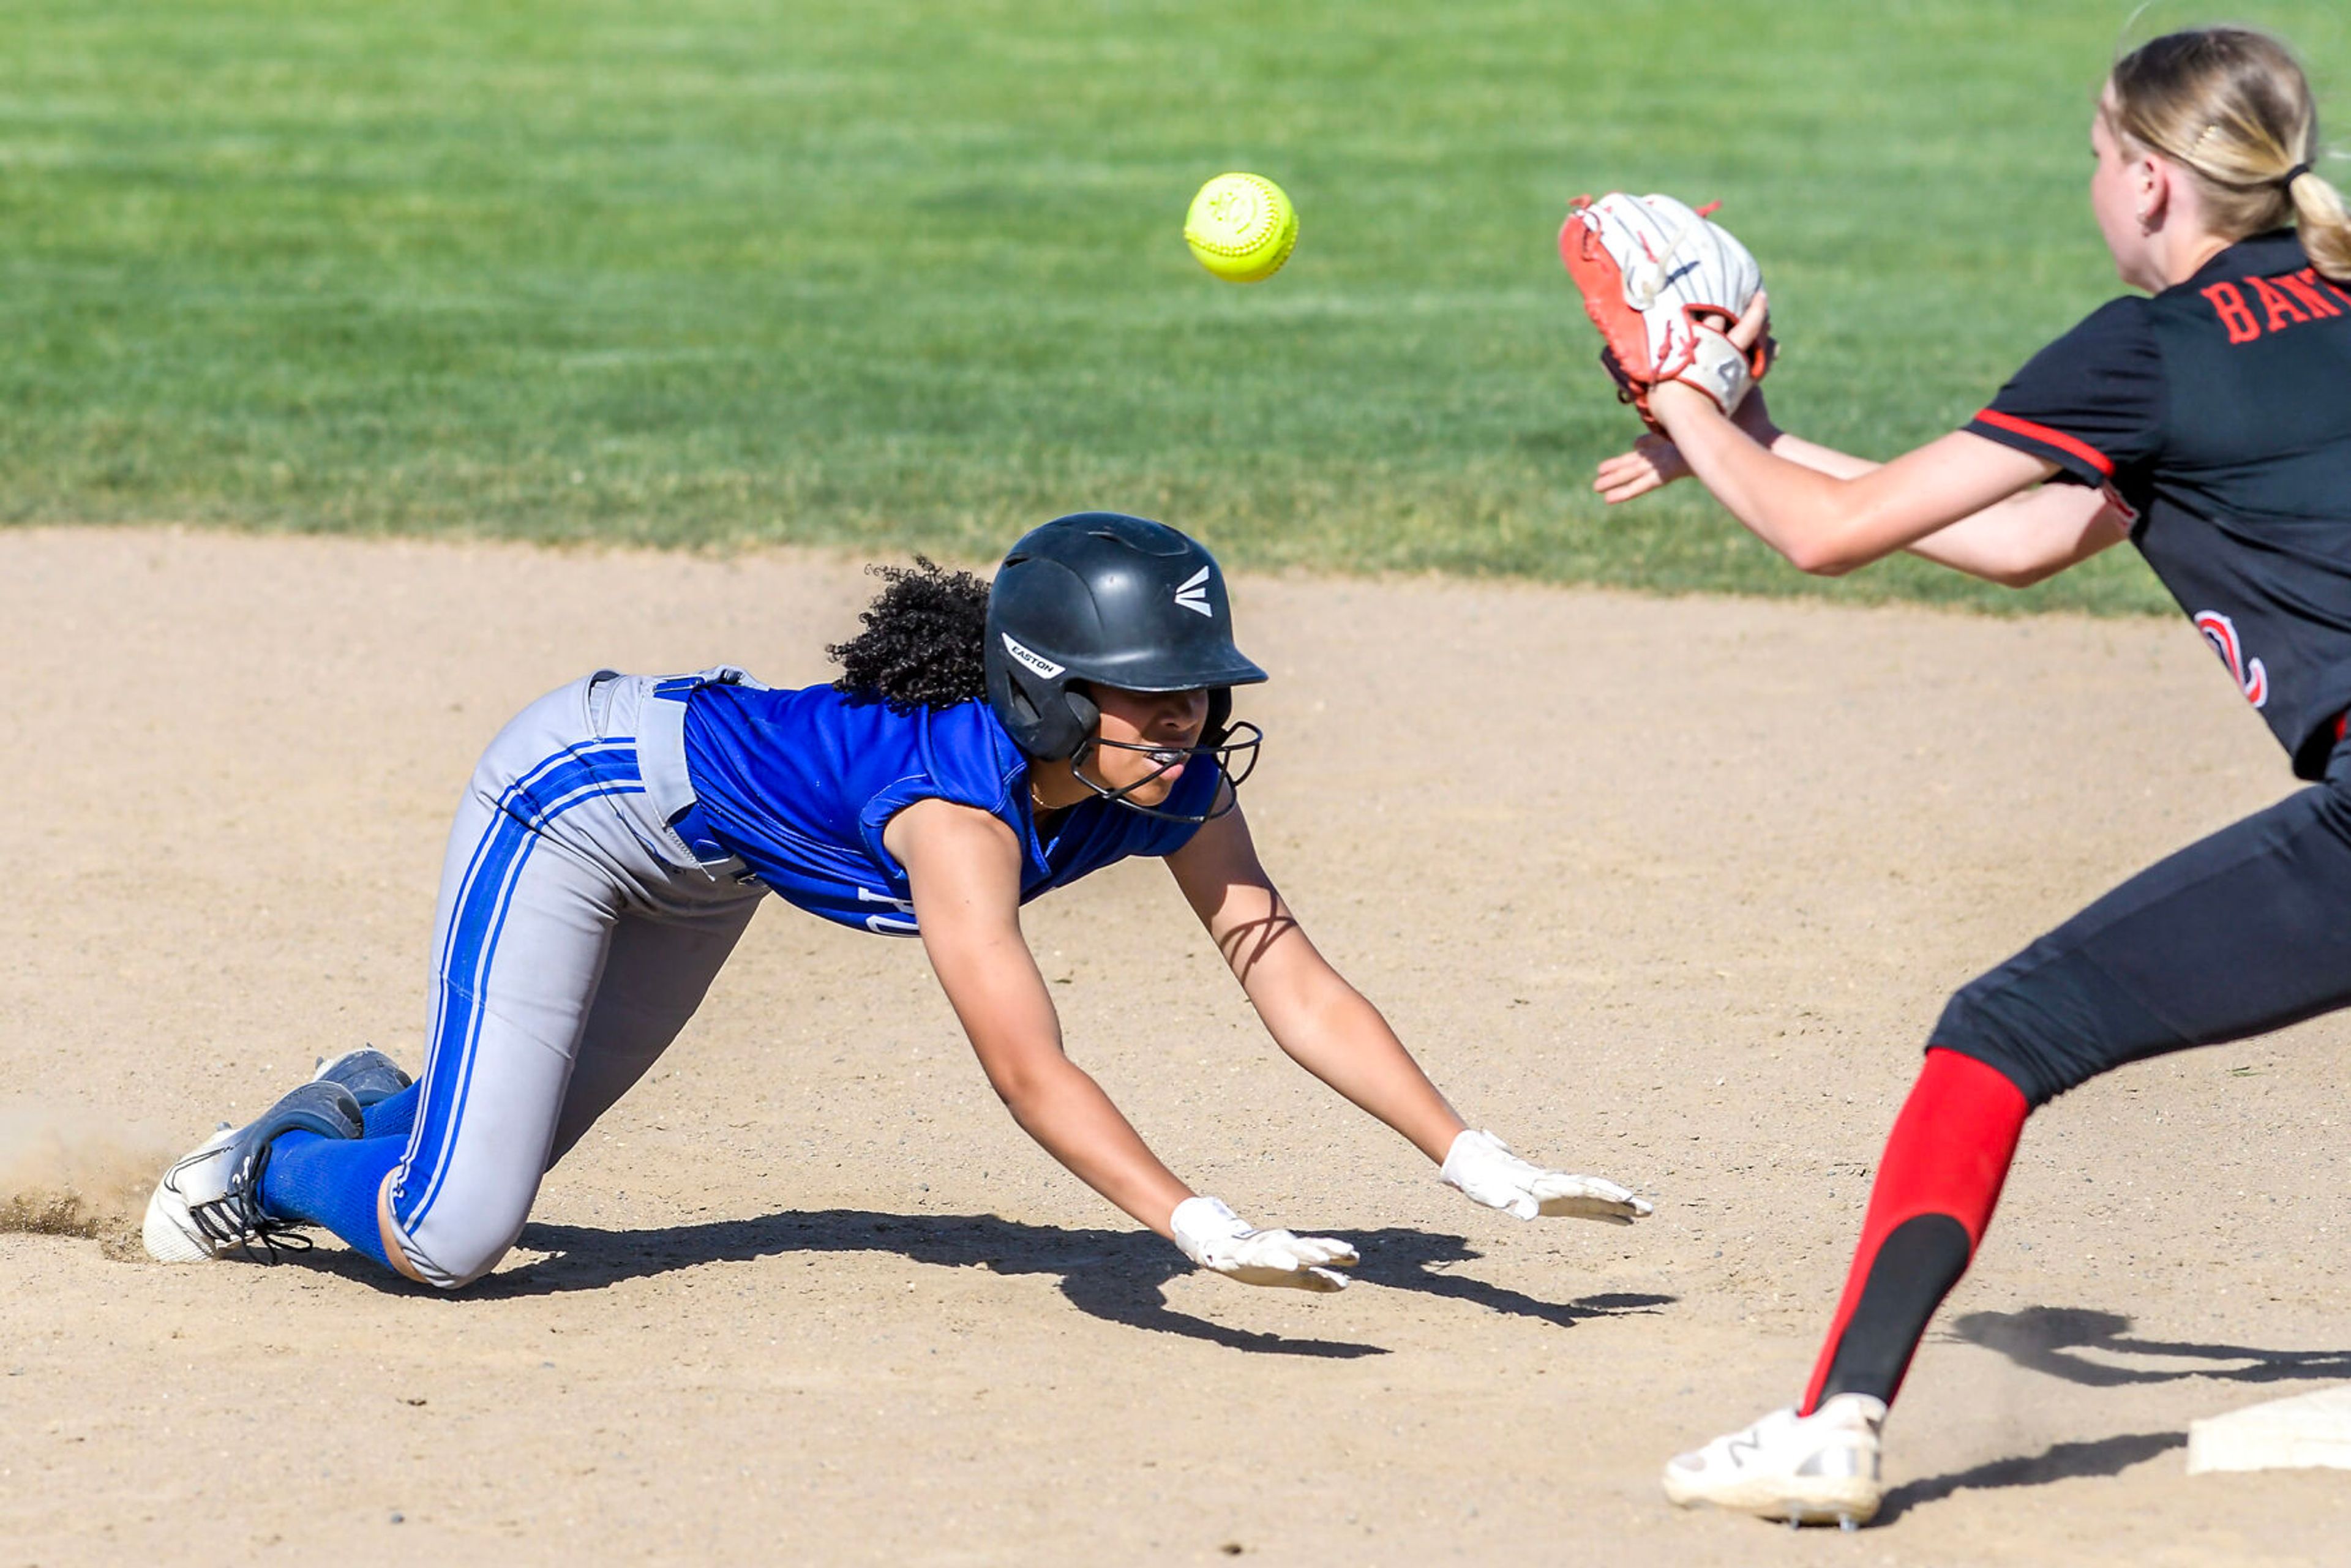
pixel 499 817
pixel 552 787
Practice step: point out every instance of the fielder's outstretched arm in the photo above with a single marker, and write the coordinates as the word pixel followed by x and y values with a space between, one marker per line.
pixel 1829 526
pixel 2016 542
pixel 1962 501
pixel 1328 1027
pixel 1829 520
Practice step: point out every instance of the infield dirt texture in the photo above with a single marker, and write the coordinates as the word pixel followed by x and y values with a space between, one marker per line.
pixel 1665 889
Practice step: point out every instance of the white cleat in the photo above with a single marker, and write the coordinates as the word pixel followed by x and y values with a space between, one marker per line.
pixel 170 1236
pixel 1820 1468
pixel 208 1204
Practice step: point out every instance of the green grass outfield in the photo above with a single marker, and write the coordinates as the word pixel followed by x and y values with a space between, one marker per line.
pixel 885 274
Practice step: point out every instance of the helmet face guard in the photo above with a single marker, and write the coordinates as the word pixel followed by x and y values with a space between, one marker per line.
pixel 1222 749
pixel 1104 598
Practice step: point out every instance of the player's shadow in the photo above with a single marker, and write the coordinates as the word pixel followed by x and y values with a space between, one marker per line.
pixel 1120 1276
pixel 2087 1347
pixel 2072 1342
pixel 2058 1462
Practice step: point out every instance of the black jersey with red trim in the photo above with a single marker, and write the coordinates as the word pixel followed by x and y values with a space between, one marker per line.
pixel 2218 415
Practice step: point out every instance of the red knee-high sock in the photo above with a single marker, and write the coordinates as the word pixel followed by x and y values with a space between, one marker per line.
pixel 1936 1187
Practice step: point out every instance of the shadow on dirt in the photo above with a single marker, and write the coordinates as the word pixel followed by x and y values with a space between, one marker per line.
pixel 2058 1462
pixel 1115 1275
pixel 2052 1340
pixel 2073 1344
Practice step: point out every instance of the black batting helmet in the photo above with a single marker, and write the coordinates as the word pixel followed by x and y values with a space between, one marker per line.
pixel 1103 597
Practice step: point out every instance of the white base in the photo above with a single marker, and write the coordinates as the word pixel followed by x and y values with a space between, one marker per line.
pixel 2306 1431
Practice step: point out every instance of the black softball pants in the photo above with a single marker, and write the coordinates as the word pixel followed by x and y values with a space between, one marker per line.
pixel 2241 933
pixel 2246 931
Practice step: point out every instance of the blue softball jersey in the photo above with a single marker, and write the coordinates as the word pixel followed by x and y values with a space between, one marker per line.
pixel 800 784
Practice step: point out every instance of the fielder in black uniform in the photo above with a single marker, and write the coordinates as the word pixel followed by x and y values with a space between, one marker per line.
pixel 2209 422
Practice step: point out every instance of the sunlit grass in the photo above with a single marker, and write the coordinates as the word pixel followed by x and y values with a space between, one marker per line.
pixel 893 275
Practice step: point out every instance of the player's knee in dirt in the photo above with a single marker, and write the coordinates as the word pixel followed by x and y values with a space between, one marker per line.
pixel 450 1271
pixel 457 1250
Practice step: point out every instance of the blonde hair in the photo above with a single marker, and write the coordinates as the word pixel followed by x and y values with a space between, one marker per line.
pixel 2230 105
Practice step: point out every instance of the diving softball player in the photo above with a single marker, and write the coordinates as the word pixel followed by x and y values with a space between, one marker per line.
pixel 2210 424
pixel 982 747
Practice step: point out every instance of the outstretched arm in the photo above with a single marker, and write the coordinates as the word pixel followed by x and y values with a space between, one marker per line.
pixel 1826 525
pixel 964 867
pixel 1326 1027
pixel 1962 502
pixel 2033 535
pixel 1314 1014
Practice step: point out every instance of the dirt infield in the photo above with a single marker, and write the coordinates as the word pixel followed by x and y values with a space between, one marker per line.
pixel 1667 890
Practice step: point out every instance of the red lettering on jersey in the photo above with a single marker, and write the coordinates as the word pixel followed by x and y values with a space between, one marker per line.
pixel 2332 287
pixel 2278 305
pixel 2304 286
pixel 2229 305
pixel 2250 674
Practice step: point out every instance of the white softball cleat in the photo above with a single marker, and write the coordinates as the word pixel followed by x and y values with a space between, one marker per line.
pixel 1807 1469
pixel 208 1204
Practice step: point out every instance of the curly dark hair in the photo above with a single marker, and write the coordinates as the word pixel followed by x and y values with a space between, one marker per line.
pixel 923 641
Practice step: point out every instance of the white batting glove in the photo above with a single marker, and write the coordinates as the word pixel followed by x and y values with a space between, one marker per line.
pixel 1213 1237
pixel 1482 1165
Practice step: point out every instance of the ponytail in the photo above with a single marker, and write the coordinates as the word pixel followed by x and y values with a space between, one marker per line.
pixel 2326 224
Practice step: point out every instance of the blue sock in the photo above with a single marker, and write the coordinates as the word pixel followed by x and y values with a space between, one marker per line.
pixel 395 1115
pixel 332 1182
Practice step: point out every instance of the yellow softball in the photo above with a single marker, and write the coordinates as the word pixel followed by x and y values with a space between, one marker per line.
pixel 1241 228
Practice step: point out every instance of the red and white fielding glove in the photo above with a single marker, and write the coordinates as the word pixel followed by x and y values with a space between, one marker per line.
pixel 1664 284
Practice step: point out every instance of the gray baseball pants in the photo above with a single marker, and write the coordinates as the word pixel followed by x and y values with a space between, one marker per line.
pixel 576 933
